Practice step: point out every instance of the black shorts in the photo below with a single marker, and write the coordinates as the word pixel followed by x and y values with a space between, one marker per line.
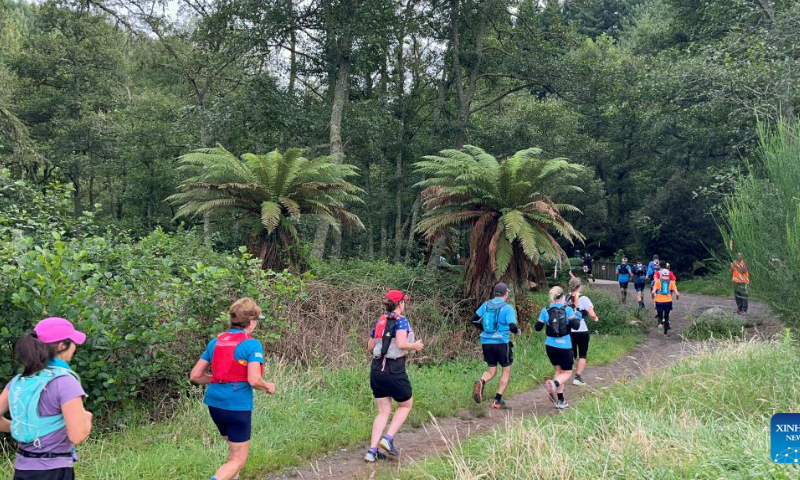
pixel 580 344
pixel 663 306
pixel 390 380
pixel 561 357
pixel 639 286
pixel 623 285
pixel 66 473
pixel 502 353
pixel 235 425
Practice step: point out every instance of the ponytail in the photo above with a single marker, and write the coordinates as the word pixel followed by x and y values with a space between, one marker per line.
pixel 34 354
pixel 390 305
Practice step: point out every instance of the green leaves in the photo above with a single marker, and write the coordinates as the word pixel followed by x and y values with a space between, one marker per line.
pixel 501 201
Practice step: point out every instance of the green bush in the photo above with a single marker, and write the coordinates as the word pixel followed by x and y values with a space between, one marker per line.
pixel 615 318
pixel 714 324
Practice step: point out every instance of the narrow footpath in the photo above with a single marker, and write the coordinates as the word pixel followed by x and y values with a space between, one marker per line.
pixel 432 438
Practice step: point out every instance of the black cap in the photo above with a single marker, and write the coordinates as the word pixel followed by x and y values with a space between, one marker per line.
pixel 500 289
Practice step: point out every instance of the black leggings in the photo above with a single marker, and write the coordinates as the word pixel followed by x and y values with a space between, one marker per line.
pixel 580 344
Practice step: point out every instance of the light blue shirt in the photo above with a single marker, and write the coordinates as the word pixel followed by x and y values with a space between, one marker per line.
pixel 506 317
pixel 236 396
pixel 558 342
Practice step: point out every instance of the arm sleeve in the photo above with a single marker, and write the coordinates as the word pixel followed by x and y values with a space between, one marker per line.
pixel 209 351
pixel 476 322
pixel 402 324
pixel 255 352
pixel 540 321
pixel 512 327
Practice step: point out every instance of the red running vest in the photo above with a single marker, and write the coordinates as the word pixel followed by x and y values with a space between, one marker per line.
pixel 224 366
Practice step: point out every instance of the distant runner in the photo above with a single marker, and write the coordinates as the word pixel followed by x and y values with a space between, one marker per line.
pixel 587 266
pixel 741 283
pixel 559 320
pixel 390 342
pixel 580 337
pixel 624 274
pixel 639 281
pixel 496 318
pixel 663 288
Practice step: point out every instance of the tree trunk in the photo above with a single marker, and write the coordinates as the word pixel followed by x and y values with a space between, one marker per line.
pixel 293 63
pixel 455 53
pixel 411 226
pixel 465 99
pixel 398 169
pixel 340 93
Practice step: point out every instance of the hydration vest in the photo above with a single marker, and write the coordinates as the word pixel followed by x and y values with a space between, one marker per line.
pixel 557 326
pixel 623 270
pixel 664 282
pixel 491 318
pixel 224 366
pixel 24 394
pixel 639 272
pixel 385 330
pixel 572 302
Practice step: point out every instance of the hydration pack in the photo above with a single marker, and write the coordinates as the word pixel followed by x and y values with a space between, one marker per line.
pixel 665 281
pixel 24 394
pixel 491 318
pixel 385 331
pixel 572 302
pixel 558 325
pixel 639 271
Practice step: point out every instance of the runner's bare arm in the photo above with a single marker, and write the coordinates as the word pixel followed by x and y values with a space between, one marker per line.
pixel 5 425
pixel 200 375
pixel 255 379
pixel 592 314
pixel 371 344
pixel 78 420
pixel 401 339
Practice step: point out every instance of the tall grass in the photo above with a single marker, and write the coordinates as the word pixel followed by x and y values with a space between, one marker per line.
pixel 316 409
pixel 706 417
pixel 763 217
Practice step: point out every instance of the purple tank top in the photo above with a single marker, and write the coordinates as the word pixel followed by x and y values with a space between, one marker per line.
pixel 57 392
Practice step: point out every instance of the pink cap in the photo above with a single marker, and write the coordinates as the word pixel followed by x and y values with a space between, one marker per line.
pixel 396 296
pixel 54 329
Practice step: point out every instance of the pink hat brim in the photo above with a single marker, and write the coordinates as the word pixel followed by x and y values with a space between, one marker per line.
pixel 78 337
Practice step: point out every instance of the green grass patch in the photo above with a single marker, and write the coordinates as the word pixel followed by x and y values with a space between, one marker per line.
pixel 714 324
pixel 705 417
pixel 316 410
pixel 714 285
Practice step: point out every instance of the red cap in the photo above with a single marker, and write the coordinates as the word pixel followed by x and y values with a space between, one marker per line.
pixel 396 296
pixel 54 329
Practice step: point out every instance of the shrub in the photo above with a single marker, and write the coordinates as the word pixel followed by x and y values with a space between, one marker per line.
pixel 714 323
pixel 615 318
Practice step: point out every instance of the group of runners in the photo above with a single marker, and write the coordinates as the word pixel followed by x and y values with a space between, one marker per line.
pixel 48 418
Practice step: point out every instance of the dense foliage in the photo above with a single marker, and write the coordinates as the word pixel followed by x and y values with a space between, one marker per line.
pixel 658 97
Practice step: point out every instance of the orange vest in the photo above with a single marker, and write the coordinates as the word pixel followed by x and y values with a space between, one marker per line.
pixel 740 273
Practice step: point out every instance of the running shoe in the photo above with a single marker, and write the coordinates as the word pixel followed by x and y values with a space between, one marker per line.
pixel 578 380
pixel 373 457
pixel 550 388
pixel 562 405
pixel 498 404
pixel 477 391
pixel 388 446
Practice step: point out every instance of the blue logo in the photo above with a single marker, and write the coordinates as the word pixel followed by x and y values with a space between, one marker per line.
pixel 785 438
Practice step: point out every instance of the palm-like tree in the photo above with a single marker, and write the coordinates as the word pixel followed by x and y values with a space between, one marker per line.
pixel 270 192
pixel 506 203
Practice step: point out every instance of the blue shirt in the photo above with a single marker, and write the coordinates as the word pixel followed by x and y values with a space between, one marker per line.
pixel 624 273
pixel 236 396
pixel 506 317
pixel 401 324
pixel 557 342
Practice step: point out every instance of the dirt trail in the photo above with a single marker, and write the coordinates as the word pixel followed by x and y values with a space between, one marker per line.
pixel 655 352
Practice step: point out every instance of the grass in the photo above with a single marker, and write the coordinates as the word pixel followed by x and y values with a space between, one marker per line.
pixel 706 417
pixel 714 285
pixel 316 410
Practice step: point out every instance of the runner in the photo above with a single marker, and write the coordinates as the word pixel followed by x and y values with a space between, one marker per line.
pixel 236 360
pixel 580 337
pixel 390 341
pixel 47 430
pixel 663 289
pixel 639 281
pixel 495 318
pixel 652 268
pixel 741 283
pixel 624 274
pixel 559 320
pixel 587 266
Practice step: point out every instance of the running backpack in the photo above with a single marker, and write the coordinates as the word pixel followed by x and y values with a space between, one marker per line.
pixel 24 394
pixel 572 302
pixel 558 325
pixel 384 330
pixel 639 271
pixel 664 282
pixel 491 318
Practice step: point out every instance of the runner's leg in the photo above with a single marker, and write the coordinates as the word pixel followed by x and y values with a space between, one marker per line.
pixel 237 458
pixel 384 412
pixel 400 416
pixel 505 376
pixel 489 374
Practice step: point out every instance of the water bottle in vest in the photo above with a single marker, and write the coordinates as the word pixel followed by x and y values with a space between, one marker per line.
pixel 491 318
pixel 24 394
pixel 557 326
